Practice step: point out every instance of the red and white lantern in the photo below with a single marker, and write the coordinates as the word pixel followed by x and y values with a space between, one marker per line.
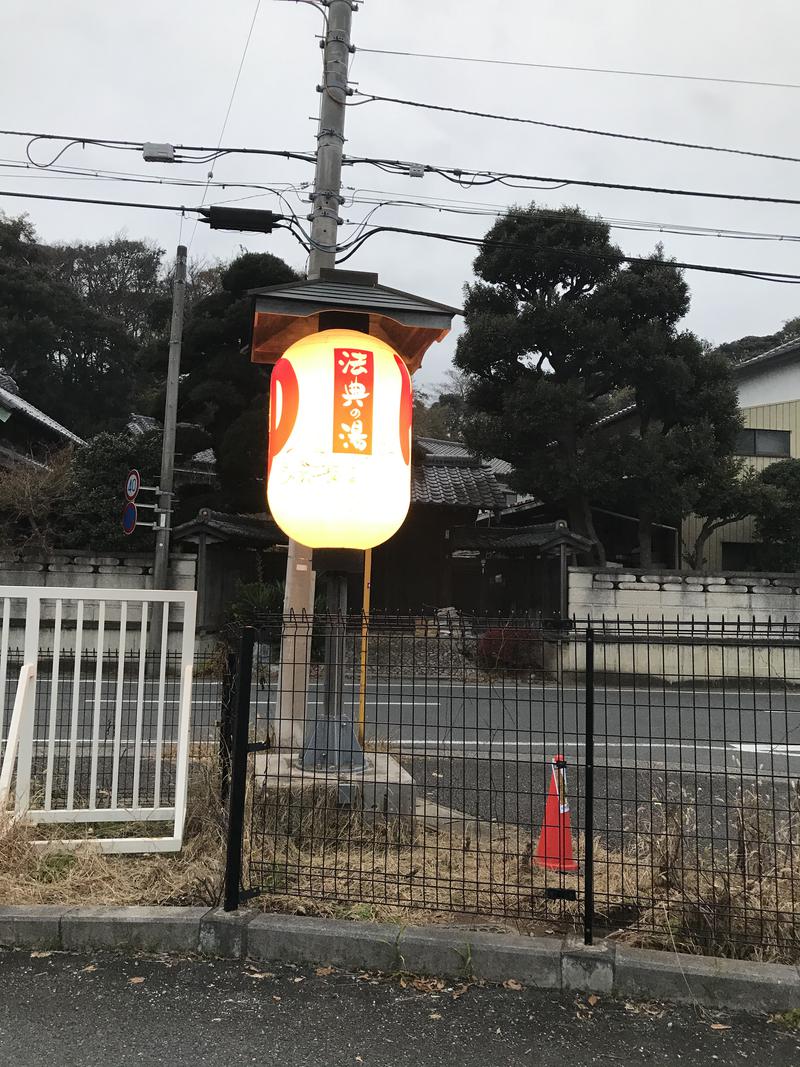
pixel 339 468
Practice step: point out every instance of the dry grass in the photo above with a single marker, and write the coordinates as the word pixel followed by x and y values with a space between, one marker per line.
pixel 54 875
pixel 311 856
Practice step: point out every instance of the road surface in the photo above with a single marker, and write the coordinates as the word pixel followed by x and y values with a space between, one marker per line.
pixel 91 1011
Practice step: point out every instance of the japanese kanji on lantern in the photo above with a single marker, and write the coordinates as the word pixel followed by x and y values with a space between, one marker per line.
pixel 339 467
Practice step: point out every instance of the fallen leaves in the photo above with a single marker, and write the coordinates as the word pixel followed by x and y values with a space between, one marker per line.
pixel 89 968
pixel 135 981
pixel 593 999
pixel 39 955
pixel 434 1015
pixel 259 974
pixel 323 972
pixel 428 985
pixel 512 983
pixel 276 998
pixel 719 1026
pixel 655 1011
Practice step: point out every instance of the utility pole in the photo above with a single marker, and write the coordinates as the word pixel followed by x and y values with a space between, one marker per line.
pixel 298 598
pixel 326 198
pixel 166 481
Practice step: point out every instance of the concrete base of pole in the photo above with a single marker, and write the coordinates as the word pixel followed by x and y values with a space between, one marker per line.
pixel 381 785
pixel 333 745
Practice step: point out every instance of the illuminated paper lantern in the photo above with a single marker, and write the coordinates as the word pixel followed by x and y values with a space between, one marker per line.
pixel 339 468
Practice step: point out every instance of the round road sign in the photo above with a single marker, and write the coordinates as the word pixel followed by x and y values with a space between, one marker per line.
pixel 133 484
pixel 129 515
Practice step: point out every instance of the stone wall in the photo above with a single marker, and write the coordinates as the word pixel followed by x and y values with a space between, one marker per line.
pixel 641 594
pixel 71 568
pixel 67 569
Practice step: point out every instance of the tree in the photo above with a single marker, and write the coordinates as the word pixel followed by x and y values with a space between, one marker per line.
pixel 684 398
pixel 32 497
pixel 747 347
pixel 777 516
pixel 223 391
pixel 74 361
pixel 443 415
pixel 730 493
pixel 535 351
pixel 558 333
pixel 119 279
pixel 94 497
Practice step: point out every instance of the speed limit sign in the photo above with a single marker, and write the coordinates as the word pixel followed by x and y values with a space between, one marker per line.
pixel 133 484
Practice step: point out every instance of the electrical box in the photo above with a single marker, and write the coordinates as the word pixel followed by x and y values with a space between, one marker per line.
pixel 158 153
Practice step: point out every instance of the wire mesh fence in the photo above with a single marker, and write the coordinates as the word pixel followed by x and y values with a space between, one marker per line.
pixel 411 766
pixel 639 775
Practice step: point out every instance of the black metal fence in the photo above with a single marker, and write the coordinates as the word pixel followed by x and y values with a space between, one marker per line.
pixel 605 775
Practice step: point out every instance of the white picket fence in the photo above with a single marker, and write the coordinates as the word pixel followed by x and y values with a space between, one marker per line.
pixel 97 730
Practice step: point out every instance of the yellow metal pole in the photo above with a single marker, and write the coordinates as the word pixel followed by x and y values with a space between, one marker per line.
pixel 362 699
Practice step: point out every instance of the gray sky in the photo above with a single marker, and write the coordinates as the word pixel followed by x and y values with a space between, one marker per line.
pixel 164 72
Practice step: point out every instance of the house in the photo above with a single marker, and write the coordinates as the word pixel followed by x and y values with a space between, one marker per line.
pixel 27 435
pixel 769 398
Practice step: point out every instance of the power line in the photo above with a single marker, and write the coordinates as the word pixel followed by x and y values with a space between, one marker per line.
pixel 382 199
pixel 352 247
pixel 97 200
pixel 462 176
pixel 583 70
pixel 467 179
pixel 372 98
pixel 635 225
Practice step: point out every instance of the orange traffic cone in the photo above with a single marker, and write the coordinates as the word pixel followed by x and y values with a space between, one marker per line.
pixel 555 844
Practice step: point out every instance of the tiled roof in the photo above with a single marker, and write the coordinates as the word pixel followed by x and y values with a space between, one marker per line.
pixel 455 484
pixel 544 535
pixel 250 530
pixel 437 446
pixel 13 402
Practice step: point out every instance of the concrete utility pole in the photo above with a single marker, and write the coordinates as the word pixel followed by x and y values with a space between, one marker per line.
pixel 326 197
pixel 326 200
pixel 166 481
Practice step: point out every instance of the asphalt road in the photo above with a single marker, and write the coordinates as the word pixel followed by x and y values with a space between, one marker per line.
pixel 485 750
pixel 85 1012
pixel 739 731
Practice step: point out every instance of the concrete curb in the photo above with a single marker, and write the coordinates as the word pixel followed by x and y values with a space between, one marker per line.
pixel 451 952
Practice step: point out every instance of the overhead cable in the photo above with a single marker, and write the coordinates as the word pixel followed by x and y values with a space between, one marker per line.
pixel 351 248
pixel 468 179
pixel 374 98
pixel 582 70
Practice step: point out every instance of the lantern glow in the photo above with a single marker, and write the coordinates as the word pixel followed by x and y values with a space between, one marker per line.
pixel 339 467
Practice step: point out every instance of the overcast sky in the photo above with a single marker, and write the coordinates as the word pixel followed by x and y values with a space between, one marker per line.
pixel 161 71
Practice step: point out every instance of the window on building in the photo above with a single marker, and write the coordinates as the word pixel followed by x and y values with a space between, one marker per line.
pixel 740 556
pixel 763 443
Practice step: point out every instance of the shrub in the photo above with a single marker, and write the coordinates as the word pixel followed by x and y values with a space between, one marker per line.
pixel 510 648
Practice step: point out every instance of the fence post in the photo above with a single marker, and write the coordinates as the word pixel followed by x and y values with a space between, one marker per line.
pixel 226 725
pixel 238 776
pixel 588 808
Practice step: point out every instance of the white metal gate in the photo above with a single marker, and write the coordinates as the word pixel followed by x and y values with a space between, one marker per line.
pixel 97 725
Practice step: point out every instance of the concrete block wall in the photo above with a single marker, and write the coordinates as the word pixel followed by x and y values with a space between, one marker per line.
pixel 73 568
pixel 640 594
pixel 639 597
pixel 86 570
